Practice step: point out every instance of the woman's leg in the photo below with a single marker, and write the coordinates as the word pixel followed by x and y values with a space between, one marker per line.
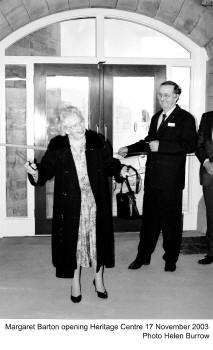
pixel 76 282
pixel 99 278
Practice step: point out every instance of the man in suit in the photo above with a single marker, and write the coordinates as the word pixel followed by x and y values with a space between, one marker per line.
pixel 172 134
pixel 204 152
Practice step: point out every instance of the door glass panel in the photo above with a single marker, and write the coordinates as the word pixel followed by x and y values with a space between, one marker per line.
pixel 60 91
pixel 16 183
pixel 133 106
pixel 78 37
pixel 140 41
pixel 68 38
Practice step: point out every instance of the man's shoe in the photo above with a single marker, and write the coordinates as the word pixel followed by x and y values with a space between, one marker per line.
pixel 206 260
pixel 137 263
pixel 171 267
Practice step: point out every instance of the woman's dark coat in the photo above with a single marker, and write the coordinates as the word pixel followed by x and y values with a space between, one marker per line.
pixel 58 162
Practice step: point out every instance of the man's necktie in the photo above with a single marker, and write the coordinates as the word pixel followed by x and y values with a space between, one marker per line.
pixel 162 120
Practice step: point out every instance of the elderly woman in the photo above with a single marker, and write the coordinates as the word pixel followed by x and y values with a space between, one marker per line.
pixel 82 230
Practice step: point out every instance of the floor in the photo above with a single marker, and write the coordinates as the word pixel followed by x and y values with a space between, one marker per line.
pixel 29 289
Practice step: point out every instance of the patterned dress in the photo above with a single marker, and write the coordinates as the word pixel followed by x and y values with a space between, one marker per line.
pixel 86 246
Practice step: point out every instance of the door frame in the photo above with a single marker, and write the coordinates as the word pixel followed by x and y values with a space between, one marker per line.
pixel 121 70
pixel 41 71
pixel 101 112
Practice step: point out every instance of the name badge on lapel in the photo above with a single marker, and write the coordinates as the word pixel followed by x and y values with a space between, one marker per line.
pixel 172 125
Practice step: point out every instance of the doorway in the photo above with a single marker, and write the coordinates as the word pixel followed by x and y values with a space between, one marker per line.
pixel 116 100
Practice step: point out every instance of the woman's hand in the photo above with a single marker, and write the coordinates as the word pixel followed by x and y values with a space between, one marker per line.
pixel 127 171
pixel 32 170
pixel 124 172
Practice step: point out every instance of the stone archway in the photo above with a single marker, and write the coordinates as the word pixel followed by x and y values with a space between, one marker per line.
pixel 187 16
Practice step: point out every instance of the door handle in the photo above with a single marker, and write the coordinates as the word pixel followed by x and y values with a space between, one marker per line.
pixel 105 132
pixel 97 128
pixel 135 127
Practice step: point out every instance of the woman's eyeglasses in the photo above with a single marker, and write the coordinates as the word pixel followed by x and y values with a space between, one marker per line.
pixel 74 126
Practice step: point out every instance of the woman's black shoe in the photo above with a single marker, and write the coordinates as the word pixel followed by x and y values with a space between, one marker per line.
pixel 76 299
pixel 102 295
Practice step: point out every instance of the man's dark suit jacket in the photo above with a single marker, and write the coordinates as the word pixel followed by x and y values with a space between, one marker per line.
pixel 177 136
pixel 205 146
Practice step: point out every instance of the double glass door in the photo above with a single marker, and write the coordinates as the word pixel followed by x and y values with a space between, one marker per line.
pixel 116 100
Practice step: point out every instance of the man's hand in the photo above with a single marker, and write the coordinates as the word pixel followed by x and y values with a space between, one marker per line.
pixel 154 145
pixel 209 167
pixel 123 151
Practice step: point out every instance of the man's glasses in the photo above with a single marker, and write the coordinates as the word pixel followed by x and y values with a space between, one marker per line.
pixel 166 96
